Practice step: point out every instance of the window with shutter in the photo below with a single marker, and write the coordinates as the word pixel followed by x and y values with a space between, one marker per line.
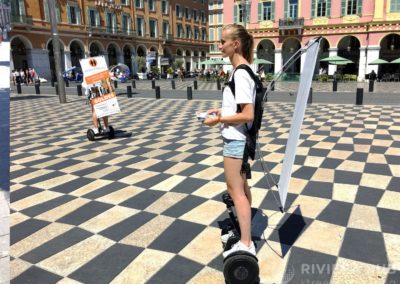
pixel 395 6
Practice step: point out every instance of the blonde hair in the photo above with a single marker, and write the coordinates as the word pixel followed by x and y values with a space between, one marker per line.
pixel 246 40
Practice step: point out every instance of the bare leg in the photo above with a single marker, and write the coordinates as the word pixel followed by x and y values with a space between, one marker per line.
pixel 236 189
pixel 105 120
pixel 94 119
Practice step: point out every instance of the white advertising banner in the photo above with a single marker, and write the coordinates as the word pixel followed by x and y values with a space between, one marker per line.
pixel 297 120
pixel 96 76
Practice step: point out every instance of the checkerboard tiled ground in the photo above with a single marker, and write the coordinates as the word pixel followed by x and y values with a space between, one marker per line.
pixel 145 207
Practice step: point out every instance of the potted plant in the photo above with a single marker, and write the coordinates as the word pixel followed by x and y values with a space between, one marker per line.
pixel 170 73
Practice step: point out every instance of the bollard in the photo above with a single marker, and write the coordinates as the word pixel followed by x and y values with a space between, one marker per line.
pixel 134 84
pixel 37 89
pixel 153 84
pixel 273 86
pixel 334 85
pixel 66 83
pixel 19 91
pixel 195 84
pixel 79 89
pixel 218 84
pixel 129 91
pixel 309 100
pixel 52 83
pixel 115 84
pixel 173 84
pixel 371 86
pixel 158 92
pixel 189 93
pixel 359 96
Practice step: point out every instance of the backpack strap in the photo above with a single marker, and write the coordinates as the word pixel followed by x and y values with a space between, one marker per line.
pixel 231 83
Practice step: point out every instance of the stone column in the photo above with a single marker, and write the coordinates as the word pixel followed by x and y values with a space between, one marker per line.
pixel 372 54
pixel 361 64
pixel 67 60
pixel 332 68
pixel 278 60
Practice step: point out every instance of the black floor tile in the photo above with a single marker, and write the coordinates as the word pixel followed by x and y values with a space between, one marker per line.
pixel 368 196
pixel 143 199
pixel 364 246
pixel 185 205
pixel 25 229
pixel 24 192
pixel 177 236
pixel 347 177
pixel 85 212
pixel 319 189
pixel 189 185
pixel 306 266
pixel 120 230
pixel 56 245
pixel 389 220
pixel 170 274
pixel 107 265
pixel 72 185
pixel 47 205
pixel 336 212
pixel 35 275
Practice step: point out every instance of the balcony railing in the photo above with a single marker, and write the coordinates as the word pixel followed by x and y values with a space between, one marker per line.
pixel 21 19
pixel 291 23
pixel 168 38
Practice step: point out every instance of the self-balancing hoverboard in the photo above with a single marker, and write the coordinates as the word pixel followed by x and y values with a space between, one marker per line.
pixel 239 267
pixel 92 136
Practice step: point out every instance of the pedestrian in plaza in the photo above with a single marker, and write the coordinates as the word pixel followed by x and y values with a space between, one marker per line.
pixel 237 44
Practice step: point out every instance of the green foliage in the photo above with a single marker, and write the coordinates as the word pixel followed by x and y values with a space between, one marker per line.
pixel 141 62
pixel 155 70
pixel 178 63
pixel 170 70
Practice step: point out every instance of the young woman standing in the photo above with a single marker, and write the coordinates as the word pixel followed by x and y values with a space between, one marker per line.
pixel 237 44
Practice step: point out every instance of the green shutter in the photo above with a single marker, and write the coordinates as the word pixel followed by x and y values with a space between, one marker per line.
pixel 260 10
pixel 286 10
pixel 313 14
pixel 68 17
pixel 58 14
pixel 328 8
pixel 235 14
pixel 22 7
pixel 248 13
pixel 46 11
pixel 359 7
pixel 98 18
pixel 272 11
pixel 78 15
pixel 344 7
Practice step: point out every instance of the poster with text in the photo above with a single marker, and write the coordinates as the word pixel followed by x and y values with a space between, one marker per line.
pixel 101 93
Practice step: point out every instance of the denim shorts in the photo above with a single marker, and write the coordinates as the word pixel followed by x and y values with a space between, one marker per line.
pixel 233 148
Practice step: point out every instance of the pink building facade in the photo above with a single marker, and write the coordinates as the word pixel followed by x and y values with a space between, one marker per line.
pixel 359 30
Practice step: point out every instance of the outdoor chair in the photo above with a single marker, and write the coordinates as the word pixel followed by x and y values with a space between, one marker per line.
pixel 396 77
pixel 386 77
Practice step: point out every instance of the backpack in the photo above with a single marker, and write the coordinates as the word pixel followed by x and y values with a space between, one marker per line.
pixel 252 133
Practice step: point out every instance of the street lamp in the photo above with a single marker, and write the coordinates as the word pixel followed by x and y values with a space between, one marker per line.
pixel 56 51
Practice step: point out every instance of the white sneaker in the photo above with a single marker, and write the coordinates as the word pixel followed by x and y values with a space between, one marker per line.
pixel 95 130
pixel 239 246
pixel 225 237
pixel 106 129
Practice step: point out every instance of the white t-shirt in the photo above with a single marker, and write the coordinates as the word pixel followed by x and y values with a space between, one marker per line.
pixel 245 92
